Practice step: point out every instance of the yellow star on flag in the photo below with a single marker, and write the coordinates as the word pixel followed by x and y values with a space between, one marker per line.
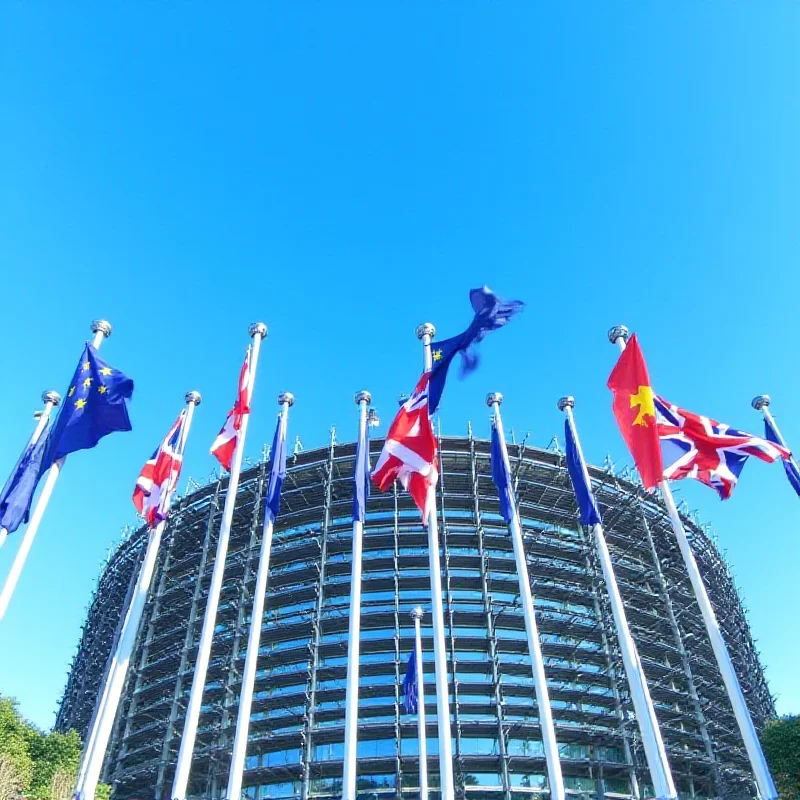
pixel 106 371
pixel 80 403
pixel 71 391
pixel 644 399
pixel 85 366
pixel 102 389
pixel 87 382
pixel 437 355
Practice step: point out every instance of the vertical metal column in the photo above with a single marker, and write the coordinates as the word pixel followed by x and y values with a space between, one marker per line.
pixel 397 674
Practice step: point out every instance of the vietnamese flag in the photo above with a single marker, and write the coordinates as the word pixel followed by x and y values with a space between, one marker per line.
pixel 635 411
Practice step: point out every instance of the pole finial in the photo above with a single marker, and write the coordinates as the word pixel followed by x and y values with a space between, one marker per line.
pixel 760 401
pixel 373 420
pixel 417 613
pixel 51 397
pixel 494 397
pixel 426 328
pixel 286 398
pixel 566 402
pixel 102 325
pixel 258 328
pixel 363 395
pixel 193 397
pixel 618 332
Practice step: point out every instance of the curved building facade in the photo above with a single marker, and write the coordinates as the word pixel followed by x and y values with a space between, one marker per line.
pixel 297 724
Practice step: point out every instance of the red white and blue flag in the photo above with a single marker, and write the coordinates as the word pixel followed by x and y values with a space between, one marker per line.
pixel 409 452
pixel 693 446
pixel 225 443
pixel 159 477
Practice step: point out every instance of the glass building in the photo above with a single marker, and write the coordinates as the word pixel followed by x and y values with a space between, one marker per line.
pixel 297 723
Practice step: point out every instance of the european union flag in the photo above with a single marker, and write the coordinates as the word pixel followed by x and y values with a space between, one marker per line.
pixel 95 405
pixel 590 514
pixel 278 472
pixel 491 314
pixel 501 478
pixel 17 494
pixel 410 688
pixel 789 464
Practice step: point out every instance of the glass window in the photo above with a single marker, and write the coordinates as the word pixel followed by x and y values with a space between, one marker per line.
pixel 376 748
pixel 527 780
pixel 275 790
pixel 482 779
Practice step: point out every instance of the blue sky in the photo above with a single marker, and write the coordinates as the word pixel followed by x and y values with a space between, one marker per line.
pixel 344 171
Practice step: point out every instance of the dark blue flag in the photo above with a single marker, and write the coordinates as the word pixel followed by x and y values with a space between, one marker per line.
pixel 590 514
pixel 17 494
pixel 491 313
pixel 278 472
pixel 95 405
pixel 361 477
pixel 410 688
pixel 501 477
pixel 789 464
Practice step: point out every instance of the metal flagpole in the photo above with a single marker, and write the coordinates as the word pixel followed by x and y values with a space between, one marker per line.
pixel 50 399
pixel 766 788
pixel 241 737
pixel 762 403
pixel 101 330
pixel 258 331
pixel 654 750
pixel 555 778
pixel 363 399
pixel 422 734
pixel 426 332
pixel 98 741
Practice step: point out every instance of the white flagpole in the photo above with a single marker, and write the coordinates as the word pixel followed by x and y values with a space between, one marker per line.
pixel 761 403
pixel 98 739
pixel 551 755
pixel 426 332
pixel 50 399
pixel 363 399
pixel 766 788
pixel 240 739
pixel 101 330
pixel 422 734
pixel 258 331
pixel 660 772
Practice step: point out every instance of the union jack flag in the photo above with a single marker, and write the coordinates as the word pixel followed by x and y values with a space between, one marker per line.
pixel 693 446
pixel 225 443
pixel 159 476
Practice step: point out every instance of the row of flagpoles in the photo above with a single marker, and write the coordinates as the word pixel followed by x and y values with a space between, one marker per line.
pixel 96 405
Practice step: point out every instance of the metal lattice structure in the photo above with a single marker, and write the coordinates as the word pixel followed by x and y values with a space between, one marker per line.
pixel 297 724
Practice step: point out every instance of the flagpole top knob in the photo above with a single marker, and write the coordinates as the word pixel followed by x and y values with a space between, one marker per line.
pixel 417 613
pixel 102 325
pixel 567 402
pixel 286 398
pixel 401 399
pixel 193 397
pixel 426 329
pixel 51 397
pixel 258 328
pixel 493 397
pixel 364 396
pixel 761 401
pixel 618 332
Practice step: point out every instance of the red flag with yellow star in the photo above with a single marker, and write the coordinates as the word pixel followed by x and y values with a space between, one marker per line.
pixel 635 411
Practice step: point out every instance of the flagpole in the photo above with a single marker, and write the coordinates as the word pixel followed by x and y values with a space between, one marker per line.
pixel 762 403
pixel 766 788
pixel 363 399
pixel 660 772
pixel 422 732
pixel 98 740
pixel 547 725
pixel 426 332
pixel 101 330
pixel 50 399
pixel 241 737
pixel 258 331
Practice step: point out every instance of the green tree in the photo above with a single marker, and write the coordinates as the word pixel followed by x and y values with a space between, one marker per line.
pixel 52 753
pixel 14 749
pixel 781 742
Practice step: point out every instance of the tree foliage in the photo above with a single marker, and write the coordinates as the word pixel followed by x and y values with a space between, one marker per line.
pixel 781 742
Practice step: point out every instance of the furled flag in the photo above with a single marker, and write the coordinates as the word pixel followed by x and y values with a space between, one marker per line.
pixel 635 411
pixel 491 313
pixel 361 477
pixel 410 688
pixel 699 447
pixel 17 494
pixel 409 452
pixel 226 440
pixel 590 514
pixel 789 464
pixel 96 405
pixel 278 471
pixel 159 476
pixel 502 480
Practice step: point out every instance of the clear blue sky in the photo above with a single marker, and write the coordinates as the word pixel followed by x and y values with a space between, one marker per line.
pixel 345 171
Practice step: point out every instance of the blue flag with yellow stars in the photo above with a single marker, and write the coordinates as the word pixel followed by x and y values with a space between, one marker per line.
pixel 17 494
pixel 95 405
pixel 491 314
